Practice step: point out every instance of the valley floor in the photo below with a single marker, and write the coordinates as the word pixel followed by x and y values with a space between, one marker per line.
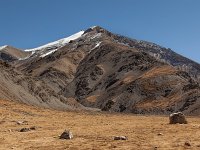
pixel 91 130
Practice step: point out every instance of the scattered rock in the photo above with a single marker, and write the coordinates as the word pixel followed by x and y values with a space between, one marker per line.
pixel 120 138
pixel 187 143
pixel 33 128
pixel 19 122
pixel 177 118
pixel 114 146
pixel 24 130
pixel 159 134
pixel 22 122
pixel 27 129
pixel 156 147
pixel 67 134
pixel 1 122
pixel 9 130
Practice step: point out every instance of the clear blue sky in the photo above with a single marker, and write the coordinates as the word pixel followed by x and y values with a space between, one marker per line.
pixel 171 23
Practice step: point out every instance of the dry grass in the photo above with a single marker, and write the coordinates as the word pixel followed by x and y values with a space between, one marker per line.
pixel 92 130
pixel 92 98
pixel 158 71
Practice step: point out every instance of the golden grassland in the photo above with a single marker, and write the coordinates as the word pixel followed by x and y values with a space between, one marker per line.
pixel 92 130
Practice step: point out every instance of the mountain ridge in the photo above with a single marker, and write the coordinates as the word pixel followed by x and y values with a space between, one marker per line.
pixel 101 70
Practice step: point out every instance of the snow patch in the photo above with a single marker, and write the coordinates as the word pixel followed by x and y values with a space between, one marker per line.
pixel 98 35
pixel 50 48
pixel 24 58
pixel 125 44
pixel 93 27
pixel 2 47
pixel 48 53
pixel 72 37
pixel 59 43
pixel 97 45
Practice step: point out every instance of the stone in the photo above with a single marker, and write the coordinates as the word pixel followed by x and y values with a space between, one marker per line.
pixel 67 134
pixel 22 122
pixel 10 130
pixel 24 130
pixel 187 143
pixel 120 138
pixel 33 128
pixel 178 117
pixel 19 122
pixel 159 134
pixel 156 147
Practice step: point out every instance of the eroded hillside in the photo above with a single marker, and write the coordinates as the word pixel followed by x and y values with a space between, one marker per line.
pixel 101 70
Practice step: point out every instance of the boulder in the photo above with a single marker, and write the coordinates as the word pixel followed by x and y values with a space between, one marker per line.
pixel 178 117
pixel 67 134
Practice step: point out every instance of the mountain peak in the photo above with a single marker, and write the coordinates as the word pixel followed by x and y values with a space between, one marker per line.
pixel 96 29
pixel 95 26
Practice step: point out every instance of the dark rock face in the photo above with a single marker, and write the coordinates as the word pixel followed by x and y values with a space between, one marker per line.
pixel 7 57
pixel 177 118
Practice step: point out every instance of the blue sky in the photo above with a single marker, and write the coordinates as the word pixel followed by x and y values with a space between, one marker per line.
pixel 173 24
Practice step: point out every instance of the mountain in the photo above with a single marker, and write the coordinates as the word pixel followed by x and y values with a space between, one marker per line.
pixel 98 69
pixel 11 54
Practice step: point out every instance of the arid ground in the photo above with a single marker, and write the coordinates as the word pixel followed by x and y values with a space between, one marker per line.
pixel 91 130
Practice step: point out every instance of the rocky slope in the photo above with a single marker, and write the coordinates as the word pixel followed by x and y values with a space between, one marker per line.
pixel 99 69
pixel 165 55
pixel 11 54
pixel 16 86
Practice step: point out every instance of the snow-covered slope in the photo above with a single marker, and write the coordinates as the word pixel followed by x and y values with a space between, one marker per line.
pixel 2 47
pixel 59 43
pixel 50 48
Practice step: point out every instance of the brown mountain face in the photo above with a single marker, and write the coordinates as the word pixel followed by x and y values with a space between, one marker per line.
pixel 11 54
pixel 17 86
pixel 106 71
